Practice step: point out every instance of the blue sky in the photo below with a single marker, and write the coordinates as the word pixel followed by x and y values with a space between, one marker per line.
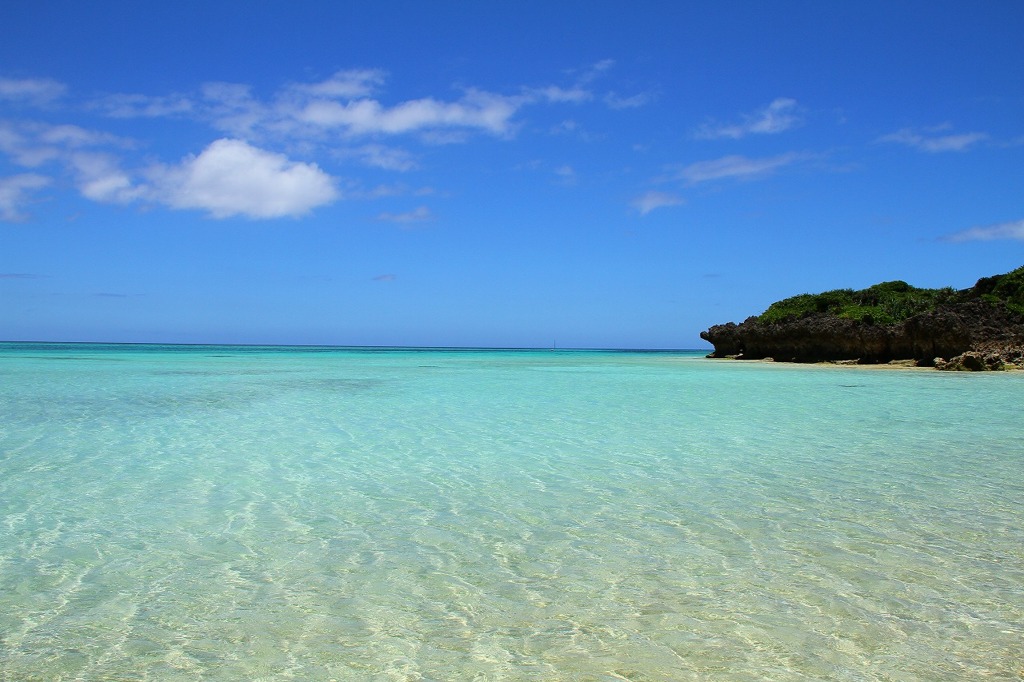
pixel 596 174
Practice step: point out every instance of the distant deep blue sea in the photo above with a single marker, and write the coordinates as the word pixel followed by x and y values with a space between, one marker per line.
pixel 261 513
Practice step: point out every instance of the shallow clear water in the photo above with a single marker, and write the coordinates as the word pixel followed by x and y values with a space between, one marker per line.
pixel 227 513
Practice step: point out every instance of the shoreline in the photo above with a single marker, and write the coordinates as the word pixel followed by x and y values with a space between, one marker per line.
pixel 902 365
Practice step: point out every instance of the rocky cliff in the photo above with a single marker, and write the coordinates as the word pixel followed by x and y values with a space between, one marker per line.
pixel 977 328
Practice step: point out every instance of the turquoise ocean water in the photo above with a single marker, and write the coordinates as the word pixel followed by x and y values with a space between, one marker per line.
pixel 239 513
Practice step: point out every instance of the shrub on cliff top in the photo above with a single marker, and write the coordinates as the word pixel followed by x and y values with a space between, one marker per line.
pixel 1006 289
pixel 894 302
pixel 885 303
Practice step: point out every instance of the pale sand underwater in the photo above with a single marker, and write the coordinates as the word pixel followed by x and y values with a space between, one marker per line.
pixel 225 513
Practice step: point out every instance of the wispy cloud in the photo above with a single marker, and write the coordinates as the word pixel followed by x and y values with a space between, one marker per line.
pixel 22 148
pixel 346 104
pixel 555 93
pixel 417 215
pixel 33 144
pixel 650 201
pixel 566 174
pixel 583 90
pixel 75 137
pixel 381 156
pixel 100 178
pixel 77 150
pixel 19 275
pixel 384 278
pixel 565 127
pixel 1013 230
pixel 735 166
pixel 231 108
pixel 343 116
pixel 929 140
pixel 143 106
pixel 476 110
pixel 594 71
pixel 781 114
pixel 345 84
pixel 36 91
pixel 231 177
pixel 617 101
pixel 14 194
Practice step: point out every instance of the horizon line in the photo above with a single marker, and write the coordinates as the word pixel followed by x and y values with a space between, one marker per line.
pixel 367 347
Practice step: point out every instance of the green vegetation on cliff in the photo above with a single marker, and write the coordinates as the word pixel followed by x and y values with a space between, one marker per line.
pixel 1005 290
pixel 885 303
pixel 894 302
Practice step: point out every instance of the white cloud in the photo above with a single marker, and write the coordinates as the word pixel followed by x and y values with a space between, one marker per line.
pixel 343 105
pixel 31 90
pixel 14 192
pixel 932 143
pixel 417 215
pixel 231 177
pixel 347 105
pixel 100 178
pixel 343 84
pixel 476 110
pixel 735 167
pixel 1012 230
pixel 782 114
pixel 652 200
pixel 236 175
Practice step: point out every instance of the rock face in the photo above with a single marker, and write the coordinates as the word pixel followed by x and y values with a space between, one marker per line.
pixel 970 332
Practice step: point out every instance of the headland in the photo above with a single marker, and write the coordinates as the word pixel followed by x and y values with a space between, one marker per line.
pixel 979 328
